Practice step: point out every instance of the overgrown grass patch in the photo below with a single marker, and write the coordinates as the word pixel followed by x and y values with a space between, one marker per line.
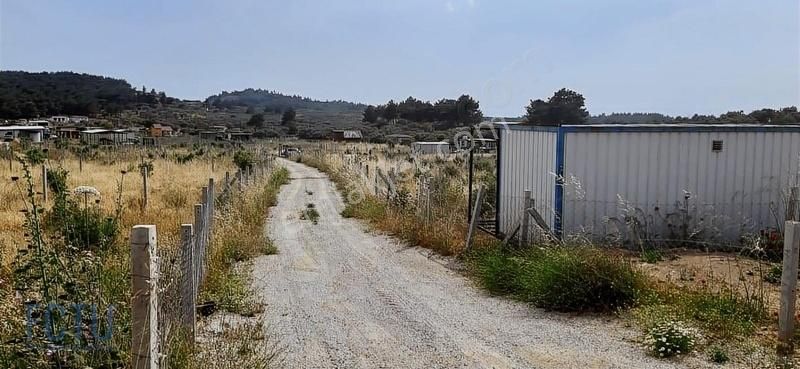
pixel 561 278
pixel 239 236
pixel 722 314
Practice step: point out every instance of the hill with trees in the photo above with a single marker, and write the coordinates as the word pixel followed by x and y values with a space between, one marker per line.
pixel 445 113
pixel 31 95
pixel 272 101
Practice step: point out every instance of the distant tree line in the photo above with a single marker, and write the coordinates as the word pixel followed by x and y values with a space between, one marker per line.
pixel 448 112
pixel 568 107
pixel 275 102
pixel 31 95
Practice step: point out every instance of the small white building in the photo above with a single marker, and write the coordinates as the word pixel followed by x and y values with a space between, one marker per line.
pixel 59 119
pixel 78 119
pixel 430 148
pixel 712 182
pixel 99 136
pixel 24 133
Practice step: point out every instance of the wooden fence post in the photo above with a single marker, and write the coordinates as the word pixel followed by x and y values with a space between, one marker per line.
pixel 526 229
pixel 210 206
pixel 794 200
pixel 144 188
pixel 188 289
pixel 204 234
pixel 80 162
pixel 144 301
pixel 227 179
pixel 198 245
pixel 474 221
pixel 44 182
pixel 791 251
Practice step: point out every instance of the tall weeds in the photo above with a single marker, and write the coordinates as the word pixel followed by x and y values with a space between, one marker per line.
pixel 238 236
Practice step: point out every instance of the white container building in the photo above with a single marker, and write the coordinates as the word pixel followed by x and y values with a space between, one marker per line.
pixel 30 133
pixel 698 181
pixel 430 148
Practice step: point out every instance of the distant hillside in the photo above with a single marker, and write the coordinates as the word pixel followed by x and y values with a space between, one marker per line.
pixel 271 101
pixel 30 95
pixel 630 118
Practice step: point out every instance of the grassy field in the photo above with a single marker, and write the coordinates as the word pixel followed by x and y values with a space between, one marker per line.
pixel 74 247
pixel 173 189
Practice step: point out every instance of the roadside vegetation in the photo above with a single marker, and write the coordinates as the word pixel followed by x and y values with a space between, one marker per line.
pixel 73 249
pixel 719 321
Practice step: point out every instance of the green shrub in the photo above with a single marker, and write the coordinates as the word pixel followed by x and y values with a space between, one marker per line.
pixel 774 274
pixel 310 213
pixel 85 228
pixel 498 271
pixel 57 180
pixel 35 156
pixel 726 313
pixel 651 256
pixel 147 165
pixel 562 278
pixel 80 223
pixel 671 338
pixel 244 160
pixel 718 355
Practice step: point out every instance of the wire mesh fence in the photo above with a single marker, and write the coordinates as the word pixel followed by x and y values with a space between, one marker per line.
pixel 166 295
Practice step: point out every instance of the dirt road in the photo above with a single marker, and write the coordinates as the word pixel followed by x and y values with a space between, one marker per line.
pixel 338 296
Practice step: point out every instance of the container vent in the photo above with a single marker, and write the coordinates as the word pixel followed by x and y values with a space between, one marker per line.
pixel 716 146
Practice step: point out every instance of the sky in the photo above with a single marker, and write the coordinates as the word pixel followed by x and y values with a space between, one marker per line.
pixel 677 57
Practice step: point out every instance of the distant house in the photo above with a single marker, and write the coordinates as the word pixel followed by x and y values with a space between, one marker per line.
pixel 25 133
pixel 99 136
pixel 212 135
pixel 240 136
pixel 399 139
pixel 428 148
pixel 69 133
pixel 78 119
pixel 160 130
pixel 43 123
pixel 478 144
pixel 346 135
pixel 59 119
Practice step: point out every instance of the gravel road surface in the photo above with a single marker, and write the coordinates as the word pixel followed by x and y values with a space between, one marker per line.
pixel 339 296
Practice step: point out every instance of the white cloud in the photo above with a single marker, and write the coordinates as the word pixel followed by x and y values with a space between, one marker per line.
pixel 454 5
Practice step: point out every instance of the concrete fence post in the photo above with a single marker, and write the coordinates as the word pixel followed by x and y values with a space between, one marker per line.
pixel 526 229
pixel 144 301
pixel 791 252
pixel 44 182
pixel 188 289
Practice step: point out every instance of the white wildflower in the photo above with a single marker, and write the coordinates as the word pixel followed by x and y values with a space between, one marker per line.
pixel 86 190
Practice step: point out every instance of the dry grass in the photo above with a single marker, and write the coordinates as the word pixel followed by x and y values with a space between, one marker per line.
pixel 173 188
pixel 443 231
